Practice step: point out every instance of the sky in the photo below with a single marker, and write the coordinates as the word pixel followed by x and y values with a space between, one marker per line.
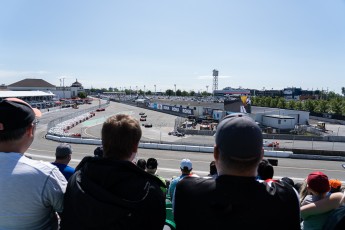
pixel 254 44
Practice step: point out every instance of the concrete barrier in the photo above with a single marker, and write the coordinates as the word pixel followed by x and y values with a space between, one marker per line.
pixel 178 147
pixel 284 154
pixel 191 148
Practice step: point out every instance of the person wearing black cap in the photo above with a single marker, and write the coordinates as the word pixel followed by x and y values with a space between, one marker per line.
pixel 111 192
pixel 236 199
pixel 31 192
pixel 62 158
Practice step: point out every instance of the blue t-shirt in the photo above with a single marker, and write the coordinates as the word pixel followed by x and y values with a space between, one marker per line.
pixel 66 170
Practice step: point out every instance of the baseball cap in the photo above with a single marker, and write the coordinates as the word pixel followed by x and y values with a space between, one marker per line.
pixel 151 163
pixel 63 150
pixel 318 182
pixel 335 183
pixel 16 113
pixel 239 137
pixel 186 163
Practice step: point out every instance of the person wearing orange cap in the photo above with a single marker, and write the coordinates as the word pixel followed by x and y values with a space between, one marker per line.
pixel 335 185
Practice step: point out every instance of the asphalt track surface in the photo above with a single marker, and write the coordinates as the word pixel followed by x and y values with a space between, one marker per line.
pixel 297 169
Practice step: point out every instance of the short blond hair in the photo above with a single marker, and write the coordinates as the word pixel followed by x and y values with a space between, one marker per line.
pixel 120 133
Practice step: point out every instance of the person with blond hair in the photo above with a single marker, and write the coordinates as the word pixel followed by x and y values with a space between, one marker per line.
pixel 111 192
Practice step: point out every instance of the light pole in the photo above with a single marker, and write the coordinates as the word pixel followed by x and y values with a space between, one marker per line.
pixel 175 89
pixel 137 90
pixel 207 89
pixel 144 90
pixel 155 90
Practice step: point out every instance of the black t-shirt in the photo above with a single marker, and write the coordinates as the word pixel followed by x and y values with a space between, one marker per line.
pixel 232 202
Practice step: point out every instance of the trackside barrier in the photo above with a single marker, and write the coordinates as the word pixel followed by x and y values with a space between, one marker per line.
pixel 189 148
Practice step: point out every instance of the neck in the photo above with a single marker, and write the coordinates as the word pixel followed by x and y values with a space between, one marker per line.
pixel 12 146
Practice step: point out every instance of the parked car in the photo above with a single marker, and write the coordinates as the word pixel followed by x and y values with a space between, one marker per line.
pixel 142 119
pixel 100 109
pixel 141 113
pixel 144 116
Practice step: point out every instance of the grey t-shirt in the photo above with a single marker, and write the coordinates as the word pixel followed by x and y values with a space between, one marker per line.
pixel 31 192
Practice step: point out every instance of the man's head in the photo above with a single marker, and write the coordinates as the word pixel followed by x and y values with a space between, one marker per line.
pixel 141 163
pixel 265 170
pixel 213 168
pixel 17 118
pixel 120 137
pixel 186 166
pixel 318 182
pixel 151 165
pixel 238 145
pixel 63 152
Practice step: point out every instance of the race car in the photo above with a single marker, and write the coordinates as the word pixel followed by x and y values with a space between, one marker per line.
pixel 274 144
pixel 147 125
pixel 143 119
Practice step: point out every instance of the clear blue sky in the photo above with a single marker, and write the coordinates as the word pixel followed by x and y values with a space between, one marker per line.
pixel 253 43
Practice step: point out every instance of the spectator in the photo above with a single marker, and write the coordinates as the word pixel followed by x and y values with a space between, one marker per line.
pixel 318 187
pixel 213 170
pixel 265 170
pixel 98 152
pixel 235 199
pixel 335 185
pixel 62 158
pixel 151 167
pixel 289 181
pixel 141 163
pixel 111 192
pixel 31 192
pixel 186 168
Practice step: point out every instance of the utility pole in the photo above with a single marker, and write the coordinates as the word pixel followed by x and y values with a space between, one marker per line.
pixel 63 85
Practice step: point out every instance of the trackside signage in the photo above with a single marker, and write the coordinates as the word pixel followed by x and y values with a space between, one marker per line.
pixel 171 108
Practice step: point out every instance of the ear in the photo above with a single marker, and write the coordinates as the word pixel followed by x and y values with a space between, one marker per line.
pixel 135 148
pixel 216 153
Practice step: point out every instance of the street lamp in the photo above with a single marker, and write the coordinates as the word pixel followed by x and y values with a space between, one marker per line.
pixel 144 90
pixel 207 89
pixel 175 89
pixel 155 90
pixel 137 90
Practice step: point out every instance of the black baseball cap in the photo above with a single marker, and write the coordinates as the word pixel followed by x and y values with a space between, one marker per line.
pixel 16 113
pixel 239 137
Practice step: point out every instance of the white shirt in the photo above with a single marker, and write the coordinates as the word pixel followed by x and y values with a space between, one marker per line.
pixel 31 192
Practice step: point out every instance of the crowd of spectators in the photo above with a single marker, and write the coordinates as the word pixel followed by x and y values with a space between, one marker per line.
pixel 115 190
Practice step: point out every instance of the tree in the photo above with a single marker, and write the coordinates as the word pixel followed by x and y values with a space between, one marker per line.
pixel 192 93
pixel 298 105
pixel 184 93
pixel 290 104
pixel 82 95
pixel 169 92
pixel 281 103
pixel 310 105
pixel 178 92
pixel 343 90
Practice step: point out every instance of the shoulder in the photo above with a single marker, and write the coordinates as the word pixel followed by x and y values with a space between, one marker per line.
pixel 196 184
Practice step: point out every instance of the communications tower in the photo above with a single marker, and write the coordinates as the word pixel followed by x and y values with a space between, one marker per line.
pixel 215 80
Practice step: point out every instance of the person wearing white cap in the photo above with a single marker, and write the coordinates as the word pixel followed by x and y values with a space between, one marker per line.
pixel 186 170
pixel 31 191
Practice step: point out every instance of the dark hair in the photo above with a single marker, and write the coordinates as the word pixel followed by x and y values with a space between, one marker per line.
pixel 13 135
pixel 265 170
pixel 98 152
pixel 141 163
pixel 289 181
pixel 213 168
